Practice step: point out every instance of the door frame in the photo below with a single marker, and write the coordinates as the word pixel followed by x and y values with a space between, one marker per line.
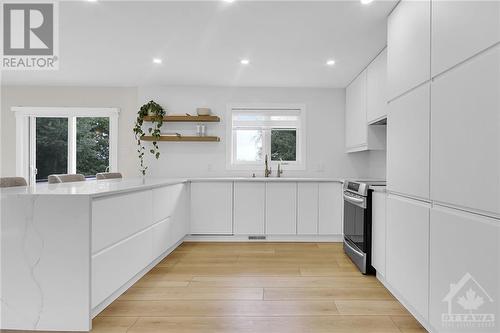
pixel 26 126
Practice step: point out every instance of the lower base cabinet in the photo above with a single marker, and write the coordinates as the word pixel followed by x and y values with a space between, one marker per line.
pixel 281 208
pixel 249 208
pixel 330 209
pixel 116 265
pixel 212 208
pixel 407 266
pixel 378 231
pixel 464 275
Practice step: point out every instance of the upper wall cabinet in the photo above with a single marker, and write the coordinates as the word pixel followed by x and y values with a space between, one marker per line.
pixel 465 139
pixel 457 35
pixel 355 117
pixel 358 135
pixel 408 143
pixel 408 46
pixel 376 88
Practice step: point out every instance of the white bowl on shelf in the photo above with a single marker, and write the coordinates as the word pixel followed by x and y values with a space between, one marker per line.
pixel 203 111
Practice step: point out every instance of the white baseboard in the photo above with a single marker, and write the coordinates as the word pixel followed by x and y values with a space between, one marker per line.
pixel 425 323
pixel 99 308
pixel 269 238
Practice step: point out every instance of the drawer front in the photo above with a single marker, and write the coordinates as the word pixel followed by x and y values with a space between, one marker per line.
pixel 163 237
pixel 118 217
pixel 115 266
pixel 165 201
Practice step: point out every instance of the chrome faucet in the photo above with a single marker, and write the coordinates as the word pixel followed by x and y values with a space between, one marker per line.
pixel 280 170
pixel 268 170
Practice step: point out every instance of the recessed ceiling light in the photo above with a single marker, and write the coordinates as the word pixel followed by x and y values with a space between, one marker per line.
pixel 92 0
pixel 366 2
pixel 245 61
pixel 228 1
pixel 157 60
pixel 330 62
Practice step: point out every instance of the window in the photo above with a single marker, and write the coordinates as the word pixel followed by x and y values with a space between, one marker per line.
pixel 65 140
pixel 275 131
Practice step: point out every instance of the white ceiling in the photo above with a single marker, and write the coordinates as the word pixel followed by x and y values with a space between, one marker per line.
pixel 201 43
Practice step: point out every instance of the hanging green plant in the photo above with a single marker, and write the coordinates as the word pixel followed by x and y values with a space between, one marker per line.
pixel 156 114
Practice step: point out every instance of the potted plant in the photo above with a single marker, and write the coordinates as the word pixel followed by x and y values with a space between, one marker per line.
pixel 156 114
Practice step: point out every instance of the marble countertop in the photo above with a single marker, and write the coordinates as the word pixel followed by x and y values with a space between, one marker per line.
pixel 264 179
pixel 92 187
pixel 97 188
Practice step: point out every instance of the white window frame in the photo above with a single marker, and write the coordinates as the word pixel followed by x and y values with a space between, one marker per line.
pixel 300 164
pixel 25 130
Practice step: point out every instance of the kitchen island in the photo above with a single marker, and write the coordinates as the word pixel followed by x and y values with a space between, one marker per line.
pixel 68 250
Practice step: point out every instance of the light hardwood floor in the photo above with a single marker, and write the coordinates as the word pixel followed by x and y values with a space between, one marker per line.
pixel 256 287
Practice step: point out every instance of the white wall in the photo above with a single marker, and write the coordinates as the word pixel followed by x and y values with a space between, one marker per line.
pixel 123 98
pixel 325 132
pixel 325 127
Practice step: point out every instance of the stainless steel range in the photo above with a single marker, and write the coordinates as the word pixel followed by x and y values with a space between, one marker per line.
pixel 358 224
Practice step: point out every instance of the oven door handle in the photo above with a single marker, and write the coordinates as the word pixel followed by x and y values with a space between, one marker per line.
pixel 354 200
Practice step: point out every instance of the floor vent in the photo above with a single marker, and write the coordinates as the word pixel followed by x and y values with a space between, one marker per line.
pixel 256 237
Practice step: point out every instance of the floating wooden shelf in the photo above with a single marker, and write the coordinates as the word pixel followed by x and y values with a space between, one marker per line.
pixel 185 138
pixel 180 118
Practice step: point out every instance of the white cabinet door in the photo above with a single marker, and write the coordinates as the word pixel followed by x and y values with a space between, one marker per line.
pixel 179 220
pixel 465 161
pixel 116 265
pixel 461 29
pixel 331 203
pixel 117 217
pixel 165 201
pixel 464 252
pixel 356 127
pixel 281 208
pixel 376 88
pixel 163 237
pixel 307 209
pixel 408 143
pixel 249 205
pixel 407 256
pixel 378 231
pixel 211 208
pixel 408 46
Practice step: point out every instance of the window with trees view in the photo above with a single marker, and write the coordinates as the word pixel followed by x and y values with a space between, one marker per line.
pixel 276 132
pixel 66 140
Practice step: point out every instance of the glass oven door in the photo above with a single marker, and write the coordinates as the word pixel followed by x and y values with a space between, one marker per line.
pixel 355 217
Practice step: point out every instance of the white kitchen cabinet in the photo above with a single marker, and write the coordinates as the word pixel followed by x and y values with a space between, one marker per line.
pixel 461 29
pixel 307 208
pixel 179 218
pixel 116 265
pixel 376 88
pixel 355 118
pixel 331 203
pixel 407 246
pixel 464 251
pixel 408 143
pixel 358 135
pixel 249 208
pixel 117 217
pixel 408 46
pixel 281 208
pixel 165 201
pixel 378 231
pixel 465 139
pixel 211 208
